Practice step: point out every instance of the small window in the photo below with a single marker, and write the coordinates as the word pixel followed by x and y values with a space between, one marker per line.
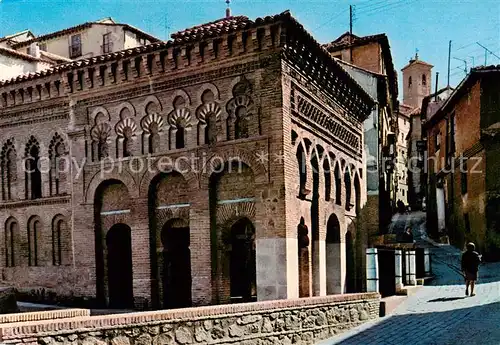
pixel 107 45
pixel 403 191
pixel 75 49
pixel 437 140
pixel 424 79
pixel 463 177
pixel 43 46
pixel 409 81
pixel 28 51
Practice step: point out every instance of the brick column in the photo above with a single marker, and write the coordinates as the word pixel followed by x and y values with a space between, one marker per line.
pixel 141 253
pixel 201 254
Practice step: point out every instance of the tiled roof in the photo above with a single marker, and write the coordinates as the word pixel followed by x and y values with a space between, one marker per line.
pixel 215 28
pixel 23 56
pixel 81 27
pixel 416 61
pixel 54 57
pixel 346 39
pixel 405 109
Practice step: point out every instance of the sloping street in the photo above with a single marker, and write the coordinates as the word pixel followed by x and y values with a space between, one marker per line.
pixel 438 313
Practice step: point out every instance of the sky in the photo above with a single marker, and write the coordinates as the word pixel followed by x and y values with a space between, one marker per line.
pixel 426 25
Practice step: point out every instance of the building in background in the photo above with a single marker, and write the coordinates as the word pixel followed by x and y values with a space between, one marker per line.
pixel 463 142
pixel 18 37
pixel 369 60
pixel 85 40
pixel 14 64
pixel 417 84
pixel 417 147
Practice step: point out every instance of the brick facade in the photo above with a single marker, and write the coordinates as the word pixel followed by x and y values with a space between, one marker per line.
pixel 463 171
pixel 183 168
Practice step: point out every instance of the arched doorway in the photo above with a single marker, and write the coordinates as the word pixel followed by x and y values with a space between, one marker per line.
pixel 119 266
pixel 303 253
pixel 350 281
pixel 176 270
pixel 334 281
pixel 113 250
pixel 242 268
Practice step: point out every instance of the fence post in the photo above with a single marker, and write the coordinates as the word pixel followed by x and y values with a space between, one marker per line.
pixel 372 270
pixel 410 267
pixel 427 262
pixel 398 263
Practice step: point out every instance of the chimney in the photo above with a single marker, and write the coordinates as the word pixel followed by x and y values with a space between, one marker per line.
pixel 228 9
pixel 34 50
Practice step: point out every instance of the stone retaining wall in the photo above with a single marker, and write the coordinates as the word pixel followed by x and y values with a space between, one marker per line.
pixel 300 321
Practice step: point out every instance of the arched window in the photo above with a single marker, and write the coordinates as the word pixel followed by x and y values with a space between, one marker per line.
pixel 58 230
pixel 34 229
pixel 11 233
pixel 127 142
pixel 409 81
pixel 348 189
pixel 33 174
pixel 241 123
pixel 57 150
pixel 301 161
pixel 154 138
pixel 424 79
pixel 338 186
pixel 180 135
pixel 328 179
pixel 211 129
pixel 8 171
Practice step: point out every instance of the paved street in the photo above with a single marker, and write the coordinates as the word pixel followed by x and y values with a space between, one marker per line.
pixel 438 313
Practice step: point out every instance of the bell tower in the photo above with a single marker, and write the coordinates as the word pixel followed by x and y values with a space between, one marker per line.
pixel 417 81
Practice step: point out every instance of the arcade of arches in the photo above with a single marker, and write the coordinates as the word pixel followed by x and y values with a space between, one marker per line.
pixel 232 242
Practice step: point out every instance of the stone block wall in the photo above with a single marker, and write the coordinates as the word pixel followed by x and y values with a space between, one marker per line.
pixel 300 321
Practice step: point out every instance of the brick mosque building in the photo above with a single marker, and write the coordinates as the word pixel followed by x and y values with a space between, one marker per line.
pixel 224 165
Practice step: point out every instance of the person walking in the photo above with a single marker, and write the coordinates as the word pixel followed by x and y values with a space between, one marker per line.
pixel 470 267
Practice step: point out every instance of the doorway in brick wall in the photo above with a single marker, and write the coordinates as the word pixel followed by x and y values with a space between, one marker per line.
pixel 119 265
pixel 334 281
pixel 176 270
pixel 243 262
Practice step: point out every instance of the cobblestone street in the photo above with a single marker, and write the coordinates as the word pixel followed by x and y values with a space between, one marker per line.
pixel 438 313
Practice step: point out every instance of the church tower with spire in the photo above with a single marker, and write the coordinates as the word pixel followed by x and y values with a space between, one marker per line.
pixel 417 81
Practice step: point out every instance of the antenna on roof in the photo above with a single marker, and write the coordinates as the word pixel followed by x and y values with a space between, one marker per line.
pixel 228 9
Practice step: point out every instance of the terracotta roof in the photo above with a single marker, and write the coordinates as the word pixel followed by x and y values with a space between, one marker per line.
pixel 405 109
pixel 81 27
pixel 11 37
pixel 54 57
pixel 215 28
pixel 23 56
pixel 344 41
pixel 416 61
